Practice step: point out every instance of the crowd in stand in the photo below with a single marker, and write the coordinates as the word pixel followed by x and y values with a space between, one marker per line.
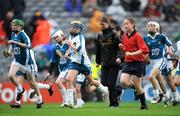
pixel 41 25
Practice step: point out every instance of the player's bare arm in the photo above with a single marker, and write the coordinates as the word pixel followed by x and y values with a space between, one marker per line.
pixel 19 44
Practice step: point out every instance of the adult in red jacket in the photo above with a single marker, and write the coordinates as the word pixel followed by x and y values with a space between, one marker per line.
pixel 42 33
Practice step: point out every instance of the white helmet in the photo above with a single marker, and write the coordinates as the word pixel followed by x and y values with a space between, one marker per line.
pixel 58 33
pixel 154 23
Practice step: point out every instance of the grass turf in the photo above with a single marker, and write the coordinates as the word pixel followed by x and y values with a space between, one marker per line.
pixel 91 109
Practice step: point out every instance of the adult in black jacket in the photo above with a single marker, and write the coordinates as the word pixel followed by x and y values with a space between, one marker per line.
pixel 107 50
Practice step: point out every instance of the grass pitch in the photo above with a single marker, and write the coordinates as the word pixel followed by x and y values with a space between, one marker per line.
pixel 91 109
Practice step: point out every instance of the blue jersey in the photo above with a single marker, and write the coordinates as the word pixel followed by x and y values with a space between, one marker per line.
pixel 54 57
pixel 64 62
pixel 156 45
pixel 61 61
pixel 22 55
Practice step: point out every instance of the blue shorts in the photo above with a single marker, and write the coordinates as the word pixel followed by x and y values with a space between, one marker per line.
pixel 20 73
pixel 83 69
pixel 137 68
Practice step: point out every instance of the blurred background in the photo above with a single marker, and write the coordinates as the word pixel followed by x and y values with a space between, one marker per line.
pixel 44 17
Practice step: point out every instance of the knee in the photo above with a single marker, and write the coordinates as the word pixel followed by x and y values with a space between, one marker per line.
pixel 91 82
pixel 69 79
pixel 160 82
pixel 57 82
pixel 32 83
pixel 78 90
pixel 176 83
pixel 123 84
pixel 151 78
pixel 10 75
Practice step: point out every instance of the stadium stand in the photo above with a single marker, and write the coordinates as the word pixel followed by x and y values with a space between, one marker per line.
pixel 58 13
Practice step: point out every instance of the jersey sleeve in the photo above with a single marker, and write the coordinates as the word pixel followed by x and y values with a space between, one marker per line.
pixel 26 39
pixel 142 44
pixel 166 40
pixel 178 48
pixel 79 43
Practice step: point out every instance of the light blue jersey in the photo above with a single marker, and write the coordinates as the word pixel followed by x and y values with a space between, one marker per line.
pixel 22 55
pixel 157 45
pixel 178 53
pixel 80 59
pixel 80 56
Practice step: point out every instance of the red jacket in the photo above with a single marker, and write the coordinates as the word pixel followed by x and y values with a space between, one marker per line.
pixel 133 43
pixel 42 34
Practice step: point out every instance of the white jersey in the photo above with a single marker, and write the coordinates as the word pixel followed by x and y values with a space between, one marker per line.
pixel 178 49
pixel 33 57
pixel 80 56
pixel 178 53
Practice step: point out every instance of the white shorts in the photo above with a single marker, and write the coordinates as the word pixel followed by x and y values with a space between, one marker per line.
pixel 25 68
pixel 63 74
pixel 80 78
pixel 158 63
pixel 169 64
pixel 168 68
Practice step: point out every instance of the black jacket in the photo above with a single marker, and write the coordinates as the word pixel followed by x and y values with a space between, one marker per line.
pixel 107 49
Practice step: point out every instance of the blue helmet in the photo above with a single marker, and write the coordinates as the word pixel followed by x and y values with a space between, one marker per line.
pixel 77 25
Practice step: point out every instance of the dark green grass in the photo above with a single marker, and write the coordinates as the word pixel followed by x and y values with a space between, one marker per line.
pixel 91 109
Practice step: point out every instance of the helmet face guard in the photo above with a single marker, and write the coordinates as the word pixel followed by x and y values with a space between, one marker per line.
pixel 154 24
pixel 77 25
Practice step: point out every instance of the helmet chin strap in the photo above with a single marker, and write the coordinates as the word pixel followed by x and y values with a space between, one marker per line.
pixel 74 34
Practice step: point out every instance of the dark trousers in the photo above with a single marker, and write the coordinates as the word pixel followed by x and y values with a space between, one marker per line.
pixel 108 78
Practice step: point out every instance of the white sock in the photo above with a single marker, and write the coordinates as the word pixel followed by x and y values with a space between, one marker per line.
pixel 80 101
pixel 19 88
pixel 39 99
pixel 64 94
pixel 74 95
pixel 174 94
pixel 43 86
pixel 167 95
pixel 156 93
pixel 101 88
pixel 70 96
pixel 160 91
pixel 18 102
